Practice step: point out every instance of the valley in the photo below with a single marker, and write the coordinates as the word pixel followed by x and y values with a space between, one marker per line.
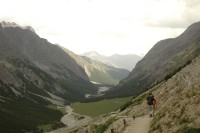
pixel 47 88
pixel 175 85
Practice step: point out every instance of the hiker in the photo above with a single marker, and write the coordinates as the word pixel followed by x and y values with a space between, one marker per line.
pixel 124 121
pixel 112 130
pixel 133 117
pixel 151 103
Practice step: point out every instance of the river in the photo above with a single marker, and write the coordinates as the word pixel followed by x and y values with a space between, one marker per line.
pixel 72 121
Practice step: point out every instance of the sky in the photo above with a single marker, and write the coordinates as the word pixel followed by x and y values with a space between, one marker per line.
pixel 105 26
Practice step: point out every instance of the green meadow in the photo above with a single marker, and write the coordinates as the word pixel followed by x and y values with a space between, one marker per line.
pixel 94 109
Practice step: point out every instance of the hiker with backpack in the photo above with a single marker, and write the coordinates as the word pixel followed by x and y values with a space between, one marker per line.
pixel 151 103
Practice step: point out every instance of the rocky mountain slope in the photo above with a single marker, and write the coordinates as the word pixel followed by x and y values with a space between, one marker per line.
pixel 178 102
pixel 35 74
pixel 33 59
pixel 97 71
pixel 120 61
pixel 165 59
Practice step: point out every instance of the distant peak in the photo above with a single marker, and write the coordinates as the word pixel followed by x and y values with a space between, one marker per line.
pixel 92 53
pixel 12 24
pixel 125 55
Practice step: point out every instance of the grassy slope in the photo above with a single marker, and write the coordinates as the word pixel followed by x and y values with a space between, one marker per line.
pixel 105 78
pixel 94 109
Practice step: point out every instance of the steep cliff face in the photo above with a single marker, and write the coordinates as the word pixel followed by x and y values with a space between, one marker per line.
pixel 163 60
pixel 98 71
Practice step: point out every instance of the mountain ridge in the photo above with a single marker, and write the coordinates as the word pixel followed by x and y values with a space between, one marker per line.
pixel 5 24
pixel 120 61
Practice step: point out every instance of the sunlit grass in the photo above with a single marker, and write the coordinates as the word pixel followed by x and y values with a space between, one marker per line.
pixel 94 109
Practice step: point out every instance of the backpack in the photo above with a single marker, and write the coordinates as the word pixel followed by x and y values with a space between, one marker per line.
pixel 150 100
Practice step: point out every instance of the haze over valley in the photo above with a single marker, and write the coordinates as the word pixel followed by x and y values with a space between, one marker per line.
pixel 120 61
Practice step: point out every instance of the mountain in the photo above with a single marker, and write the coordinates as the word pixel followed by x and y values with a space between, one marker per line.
pixel 97 71
pixel 116 60
pixel 24 49
pixel 165 59
pixel 35 75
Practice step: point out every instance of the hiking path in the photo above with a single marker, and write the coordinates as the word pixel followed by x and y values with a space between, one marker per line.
pixel 137 125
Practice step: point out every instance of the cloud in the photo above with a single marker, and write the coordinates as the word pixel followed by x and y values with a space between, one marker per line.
pixel 191 3
pixel 175 14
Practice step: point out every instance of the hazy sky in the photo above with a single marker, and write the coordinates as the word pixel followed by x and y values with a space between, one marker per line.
pixel 105 26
